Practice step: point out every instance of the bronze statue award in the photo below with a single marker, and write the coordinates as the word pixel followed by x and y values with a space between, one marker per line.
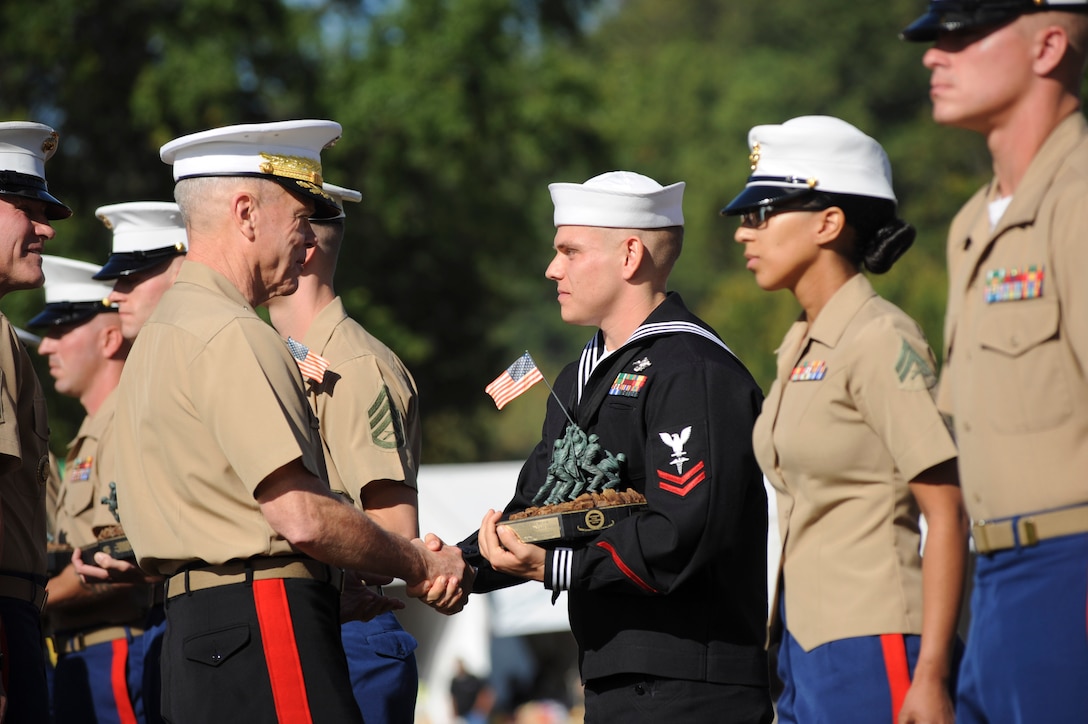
pixel 111 538
pixel 580 496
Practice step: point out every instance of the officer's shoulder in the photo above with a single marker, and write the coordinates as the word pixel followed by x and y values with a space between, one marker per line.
pixel 881 319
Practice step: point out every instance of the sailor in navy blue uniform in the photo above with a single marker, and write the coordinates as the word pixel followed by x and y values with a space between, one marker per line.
pixel 667 606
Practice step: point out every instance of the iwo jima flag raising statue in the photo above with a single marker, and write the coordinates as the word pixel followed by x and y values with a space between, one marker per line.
pixel 670 601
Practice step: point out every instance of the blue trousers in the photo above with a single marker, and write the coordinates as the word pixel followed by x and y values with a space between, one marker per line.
pixel 383 670
pixel 24 663
pixel 101 684
pixel 856 680
pixel 1027 646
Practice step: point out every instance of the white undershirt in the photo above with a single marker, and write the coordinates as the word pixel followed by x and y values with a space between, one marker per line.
pixel 997 210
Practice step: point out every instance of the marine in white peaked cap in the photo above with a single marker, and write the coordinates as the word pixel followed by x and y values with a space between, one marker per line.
pixel 850 438
pixel 94 631
pixel 287 152
pixel 367 409
pixel 72 294
pixel 221 476
pixel 145 234
pixel 26 210
pixel 24 148
pixel 812 153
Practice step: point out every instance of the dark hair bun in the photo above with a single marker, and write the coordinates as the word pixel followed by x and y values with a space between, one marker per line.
pixel 887 244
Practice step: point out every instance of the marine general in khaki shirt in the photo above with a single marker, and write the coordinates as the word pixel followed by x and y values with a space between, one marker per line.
pixel 221 480
pixel 211 405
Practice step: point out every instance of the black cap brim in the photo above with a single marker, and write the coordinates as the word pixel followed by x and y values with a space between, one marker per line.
pixel 122 264
pixel 761 195
pixel 941 19
pixel 325 206
pixel 57 314
pixel 13 183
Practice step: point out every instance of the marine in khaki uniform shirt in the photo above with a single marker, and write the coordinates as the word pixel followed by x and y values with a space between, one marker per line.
pixel 849 421
pixel 96 629
pixel 24 463
pixel 221 480
pixel 73 334
pixel 851 439
pixel 368 409
pixel 83 486
pixel 1017 339
pixel 241 412
pixel 1016 347
pixel 26 212
pixel 366 404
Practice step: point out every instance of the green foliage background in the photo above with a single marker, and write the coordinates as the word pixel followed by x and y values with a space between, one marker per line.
pixel 456 115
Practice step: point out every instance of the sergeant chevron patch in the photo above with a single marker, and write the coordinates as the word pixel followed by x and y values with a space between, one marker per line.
pixel 386 428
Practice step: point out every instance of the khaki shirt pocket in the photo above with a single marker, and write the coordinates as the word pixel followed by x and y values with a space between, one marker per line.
pixel 78 497
pixel 1024 367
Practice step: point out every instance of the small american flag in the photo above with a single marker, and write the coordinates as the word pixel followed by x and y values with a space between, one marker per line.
pixel 313 366
pixel 517 378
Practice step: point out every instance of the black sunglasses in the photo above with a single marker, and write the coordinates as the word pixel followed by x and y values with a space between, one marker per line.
pixel 757 217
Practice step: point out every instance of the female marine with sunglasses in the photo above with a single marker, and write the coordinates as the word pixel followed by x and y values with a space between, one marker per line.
pixel 851 440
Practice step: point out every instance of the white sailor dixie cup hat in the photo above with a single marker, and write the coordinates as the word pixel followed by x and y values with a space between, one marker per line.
pixel 952 16
pixel 618 200
pixel 341 195
pixel 145 234
pixel 812 153
pixel 24 148
pixel 287 152
pixel 71 293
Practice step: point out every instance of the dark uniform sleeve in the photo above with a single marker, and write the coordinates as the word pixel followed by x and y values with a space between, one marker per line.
pixel 698 467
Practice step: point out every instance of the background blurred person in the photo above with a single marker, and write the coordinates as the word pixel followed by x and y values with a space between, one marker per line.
pixel 1016 347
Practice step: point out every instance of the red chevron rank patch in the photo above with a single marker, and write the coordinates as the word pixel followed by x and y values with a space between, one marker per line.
pixel 681 484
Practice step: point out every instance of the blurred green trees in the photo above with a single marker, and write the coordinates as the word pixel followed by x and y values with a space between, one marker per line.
pixel 456 115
